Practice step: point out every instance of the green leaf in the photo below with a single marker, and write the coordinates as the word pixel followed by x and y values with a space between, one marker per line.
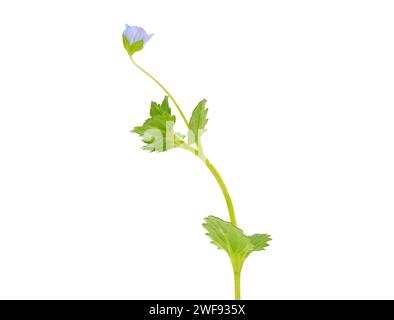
pixel 232 240
pixel 134 47
pixel 157 132
pixel 259 241
pixel 197 123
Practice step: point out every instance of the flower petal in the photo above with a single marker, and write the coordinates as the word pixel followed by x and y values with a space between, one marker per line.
pixel 134 34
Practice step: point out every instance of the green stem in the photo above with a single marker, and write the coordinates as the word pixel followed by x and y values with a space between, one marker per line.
pixel 165 90
pixel 219 180
pixel 230 207
pixel 237 285
pixel 226 194
pixel 199 153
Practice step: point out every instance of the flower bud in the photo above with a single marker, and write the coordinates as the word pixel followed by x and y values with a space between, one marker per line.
pixel 134 39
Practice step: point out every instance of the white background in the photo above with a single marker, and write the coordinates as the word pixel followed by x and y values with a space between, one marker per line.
pixel 300 97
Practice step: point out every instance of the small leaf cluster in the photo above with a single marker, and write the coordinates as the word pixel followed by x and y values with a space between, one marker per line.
pixel 158 133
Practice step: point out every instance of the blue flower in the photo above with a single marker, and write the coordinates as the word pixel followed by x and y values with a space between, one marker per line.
pixel 134 34
pixel 134 38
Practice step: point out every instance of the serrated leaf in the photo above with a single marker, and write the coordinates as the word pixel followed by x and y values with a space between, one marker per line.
pixel 157 132
pixel 259 241
pixel 232 240
pixel 197 123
